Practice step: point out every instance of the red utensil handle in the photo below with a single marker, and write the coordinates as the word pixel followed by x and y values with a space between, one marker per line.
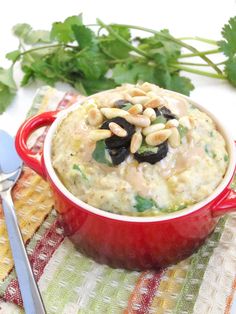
pixel 33 159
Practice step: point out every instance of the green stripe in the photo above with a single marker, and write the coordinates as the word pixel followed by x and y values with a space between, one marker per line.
pixel 199 263
pixel 67 279
pixel 112 292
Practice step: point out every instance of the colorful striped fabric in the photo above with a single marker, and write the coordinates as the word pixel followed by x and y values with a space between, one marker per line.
pixel 72 283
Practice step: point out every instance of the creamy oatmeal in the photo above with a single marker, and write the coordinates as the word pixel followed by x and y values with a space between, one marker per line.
pixel 139 150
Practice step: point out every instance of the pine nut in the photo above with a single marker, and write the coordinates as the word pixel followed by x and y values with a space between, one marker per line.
pixel 95 117
pixel 138 120
pixel 137 92
pixel 136 142
pixel 147 87
pixel 174 139
pixel 152 94
pixel 184 121
pixel 150 113
pixel 153 128
pixel 172 123
pixel 97 135
pixel 117 130
pixel 157 137
pixel 155 102
pixel 139 100
pixel 136 109
pixel 110 113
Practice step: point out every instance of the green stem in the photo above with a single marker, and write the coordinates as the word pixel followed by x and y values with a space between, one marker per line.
pixel 200 64
pixel 201 39
pixel 207 52
pixel 199 72
pixel 177 41
pixel 43 47
pixel 122 40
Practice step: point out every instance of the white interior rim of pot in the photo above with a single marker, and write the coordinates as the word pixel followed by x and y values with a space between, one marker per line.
pixel 167 216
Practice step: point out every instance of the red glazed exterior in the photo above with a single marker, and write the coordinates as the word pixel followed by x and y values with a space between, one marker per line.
pixel 119 241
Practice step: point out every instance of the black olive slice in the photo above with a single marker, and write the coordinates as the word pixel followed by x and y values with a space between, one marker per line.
pixel 118 155
pixel 165 112
pixel 116 141
pixel 121 103
pixel 151 157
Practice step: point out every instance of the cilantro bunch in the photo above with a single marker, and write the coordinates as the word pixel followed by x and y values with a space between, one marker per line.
pixel 96 57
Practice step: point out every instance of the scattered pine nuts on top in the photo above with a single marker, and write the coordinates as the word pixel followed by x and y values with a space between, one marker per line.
pixel 144 108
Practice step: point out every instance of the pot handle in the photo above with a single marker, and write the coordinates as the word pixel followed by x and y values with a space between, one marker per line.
pixel 228 203
pixel 33 159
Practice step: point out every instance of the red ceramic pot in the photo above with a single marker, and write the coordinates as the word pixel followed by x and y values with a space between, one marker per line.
pixel 123 241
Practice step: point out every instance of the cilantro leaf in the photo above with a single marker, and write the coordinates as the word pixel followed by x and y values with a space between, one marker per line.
pixel 209 151
pixel 132 73
pixel 63 32
pixel 94 86
pixel 100 155
pixel 143 203
pixel 182 131
pixel 6 78
pixel 21 30
pixel 37 36
pixel 181 84
pixel 158 45
pixel 28 75
pixel 6 97
pixel 82 174
pixel 84 36
pixel 127 106
pixel 147 148
pixel 228 45
pixel 112 47
pixel 13 55
pixel 7 88
pixel 159 119
pixel 92 64
pixel 230 70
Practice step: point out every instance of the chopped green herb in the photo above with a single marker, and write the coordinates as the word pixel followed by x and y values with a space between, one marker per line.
pixel 211 134
pixel 233 184
pixel 143 203
pixel 159 119
pixel 174 208
pixel 207 149
pixel 100 153
pixel 127 106
pixel 82 174
pixel 226 158
pixel 147 148
pixel 182 131
pixel 213 154
pixel 210 152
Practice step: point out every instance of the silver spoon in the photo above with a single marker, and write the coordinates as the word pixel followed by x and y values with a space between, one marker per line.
pixel 10 170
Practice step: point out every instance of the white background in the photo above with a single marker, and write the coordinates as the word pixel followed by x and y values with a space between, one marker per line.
pixel 183 17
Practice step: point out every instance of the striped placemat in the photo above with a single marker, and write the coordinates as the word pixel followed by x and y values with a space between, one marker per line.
pixel 72 283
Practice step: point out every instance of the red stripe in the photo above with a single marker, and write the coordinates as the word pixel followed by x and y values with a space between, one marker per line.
pixel 39 259
pixel 229 300
pixel 144 292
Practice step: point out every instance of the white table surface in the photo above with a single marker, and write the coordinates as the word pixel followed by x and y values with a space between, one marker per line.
pixel 183 17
